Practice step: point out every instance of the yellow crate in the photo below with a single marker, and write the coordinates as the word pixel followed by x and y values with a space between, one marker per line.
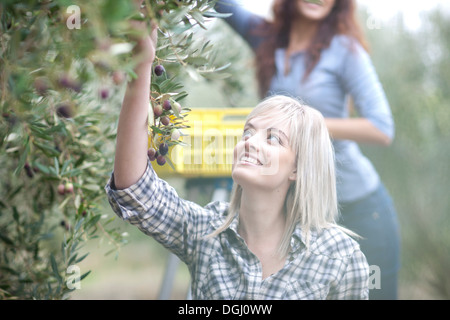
pixel 210 140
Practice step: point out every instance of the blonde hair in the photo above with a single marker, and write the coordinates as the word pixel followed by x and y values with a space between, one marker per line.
pixel 311 201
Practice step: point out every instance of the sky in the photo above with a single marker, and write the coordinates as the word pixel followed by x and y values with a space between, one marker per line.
pixel 379 10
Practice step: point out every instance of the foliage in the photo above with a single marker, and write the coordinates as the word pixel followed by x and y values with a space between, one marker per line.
pixel 63 71
pixel 238 87
pixel 415 168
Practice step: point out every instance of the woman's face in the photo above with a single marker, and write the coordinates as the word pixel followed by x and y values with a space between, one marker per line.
pixel 316 10
pixel 263 157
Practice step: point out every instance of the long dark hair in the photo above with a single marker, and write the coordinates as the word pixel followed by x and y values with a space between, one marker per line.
pixel 341 20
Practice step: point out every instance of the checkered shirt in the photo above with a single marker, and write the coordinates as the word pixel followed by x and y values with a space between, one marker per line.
pixel 223 267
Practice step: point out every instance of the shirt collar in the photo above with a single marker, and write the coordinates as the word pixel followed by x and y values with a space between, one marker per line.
pixel 220 220
pixel 298 238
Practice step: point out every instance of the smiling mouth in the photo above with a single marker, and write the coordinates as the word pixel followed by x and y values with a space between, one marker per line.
pixel 251 160
pixel 314 2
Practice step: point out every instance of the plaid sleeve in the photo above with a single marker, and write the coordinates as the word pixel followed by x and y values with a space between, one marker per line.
pixel 153 206
pixel 354 284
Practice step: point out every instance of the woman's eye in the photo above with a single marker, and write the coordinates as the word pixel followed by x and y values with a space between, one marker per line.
pixel 246 134
pixel 273 138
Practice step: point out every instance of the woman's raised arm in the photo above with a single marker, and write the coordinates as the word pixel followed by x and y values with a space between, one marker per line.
pixel 132 132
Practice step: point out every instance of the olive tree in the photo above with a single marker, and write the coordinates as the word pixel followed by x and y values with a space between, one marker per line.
pixel 63 69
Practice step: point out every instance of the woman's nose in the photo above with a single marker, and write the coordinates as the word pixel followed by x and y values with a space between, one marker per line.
pixel 252 143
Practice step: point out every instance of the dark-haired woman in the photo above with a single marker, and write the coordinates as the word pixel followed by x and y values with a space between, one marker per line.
pixel 315 50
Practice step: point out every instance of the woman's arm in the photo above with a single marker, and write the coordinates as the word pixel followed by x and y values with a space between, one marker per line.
pixel 241 20
pixel 360 130
pixel 155 208
pixel 374 122
pixel 132 132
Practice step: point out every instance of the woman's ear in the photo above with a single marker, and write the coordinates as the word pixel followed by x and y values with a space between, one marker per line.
pixel 293 175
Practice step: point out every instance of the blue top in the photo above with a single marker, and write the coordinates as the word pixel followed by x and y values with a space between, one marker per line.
pixel 344 69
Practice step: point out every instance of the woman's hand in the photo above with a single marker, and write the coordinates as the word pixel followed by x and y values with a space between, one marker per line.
pixel 145 50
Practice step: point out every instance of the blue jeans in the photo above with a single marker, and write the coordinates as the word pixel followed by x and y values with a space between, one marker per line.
pixel 375 219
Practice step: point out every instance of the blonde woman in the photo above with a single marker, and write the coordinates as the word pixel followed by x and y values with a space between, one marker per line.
pixel 277 238
pixel 316 50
